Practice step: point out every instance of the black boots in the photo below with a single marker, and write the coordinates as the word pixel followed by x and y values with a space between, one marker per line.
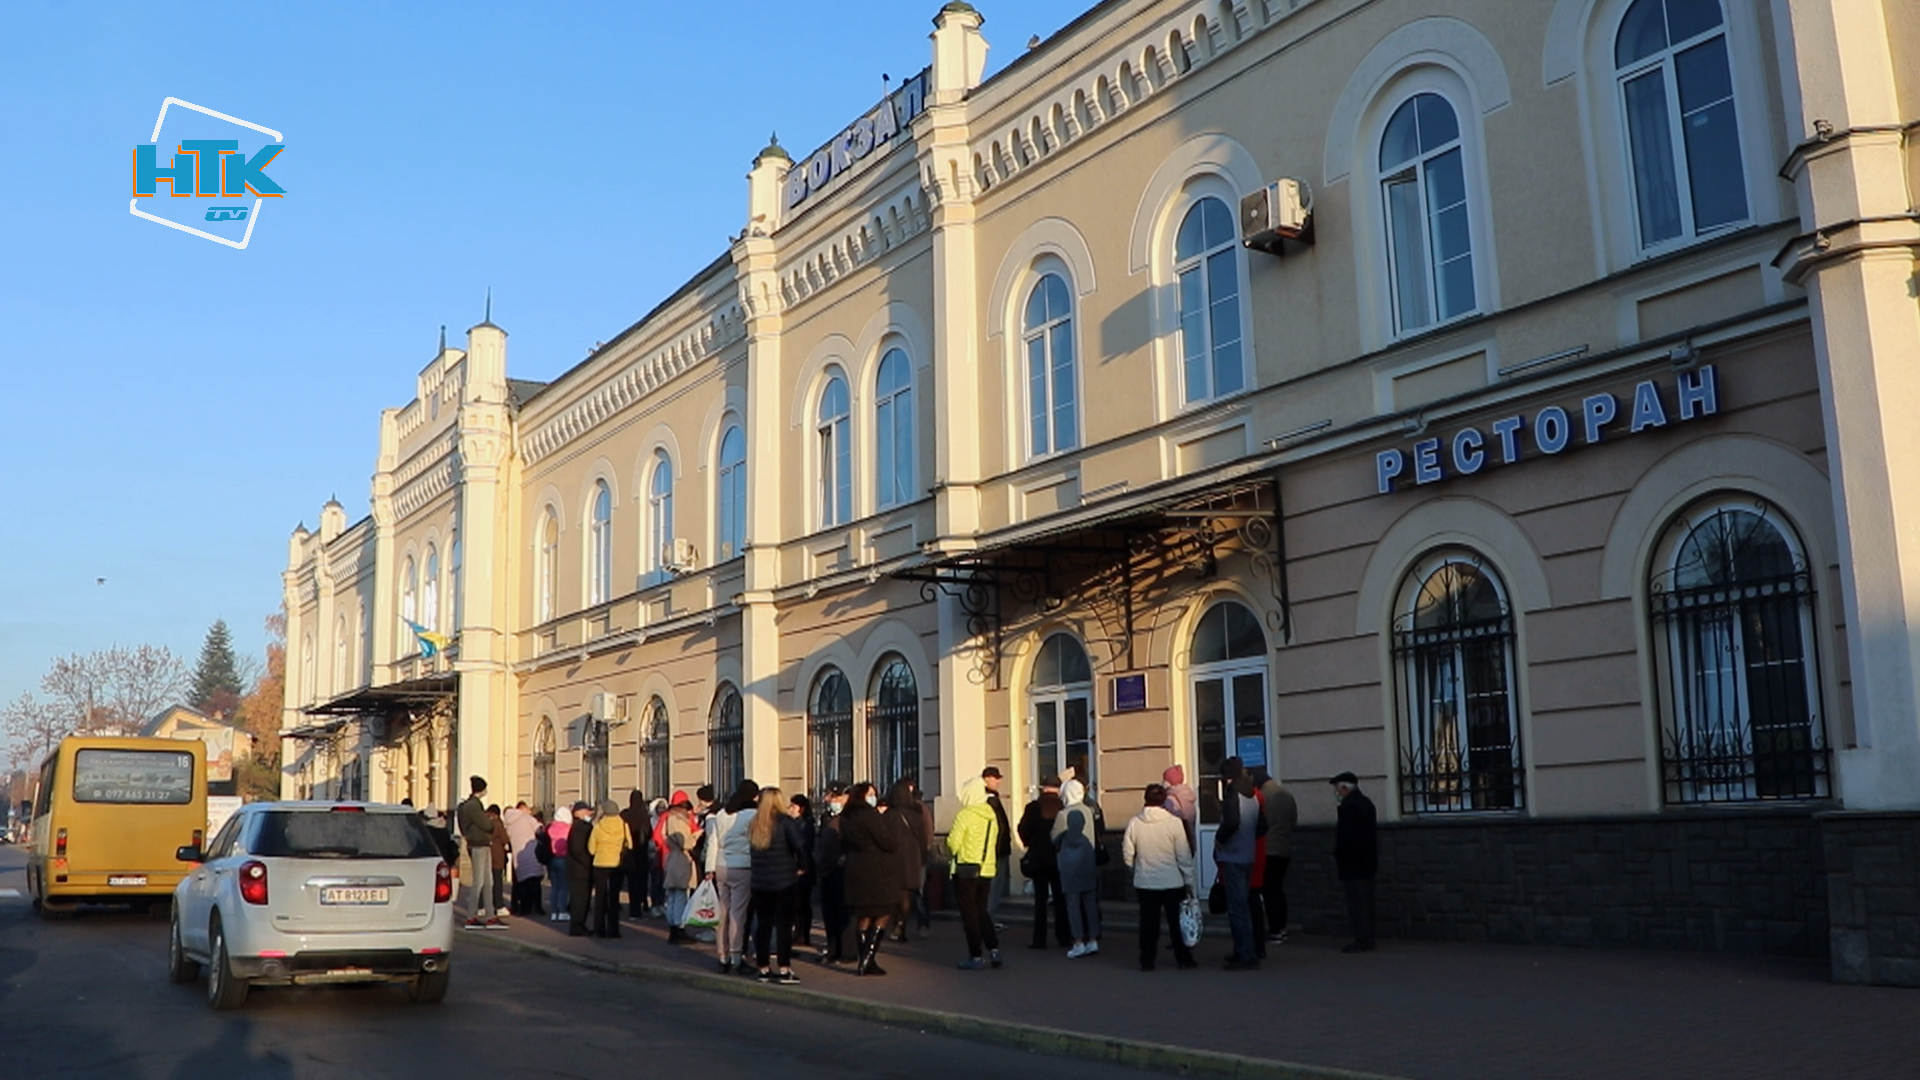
pixel 869 952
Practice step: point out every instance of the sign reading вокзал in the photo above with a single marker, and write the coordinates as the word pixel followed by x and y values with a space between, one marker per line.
pixel 215 164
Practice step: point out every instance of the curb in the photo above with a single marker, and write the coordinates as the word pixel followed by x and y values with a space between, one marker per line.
pixel 1132 1053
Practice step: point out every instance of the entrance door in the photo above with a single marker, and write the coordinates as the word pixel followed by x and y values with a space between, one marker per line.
pixel 1061 721
pixel 1229 699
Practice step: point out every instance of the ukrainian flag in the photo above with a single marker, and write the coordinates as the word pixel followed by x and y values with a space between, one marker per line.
pixel 431 644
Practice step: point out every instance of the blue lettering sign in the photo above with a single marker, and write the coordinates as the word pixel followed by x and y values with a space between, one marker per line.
pixel 1387 465
pixel 1507 430
pixel 1698 393
pixel 1426 461
pixel 1467 455
pixel 1551 429
pixel 857 142
pixel 1599 410
pixel 1647 410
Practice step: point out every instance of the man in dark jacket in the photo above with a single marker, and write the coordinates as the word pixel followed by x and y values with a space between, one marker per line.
pixel 1356 855
pixel 633 870
pixel 1040 866
pixel 579 869
pixel 1241 827
pixel 476 828
pixel 1003 845
pixel 830 866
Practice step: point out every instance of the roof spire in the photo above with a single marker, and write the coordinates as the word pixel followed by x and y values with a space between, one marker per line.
pixel 443 337
pixel 489 315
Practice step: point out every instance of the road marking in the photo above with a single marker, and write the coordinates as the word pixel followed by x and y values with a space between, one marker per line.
pixel 9 894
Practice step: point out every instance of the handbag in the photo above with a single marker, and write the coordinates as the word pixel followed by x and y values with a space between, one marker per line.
pixel 1217 898
pixel 1192 922
pixel 703 908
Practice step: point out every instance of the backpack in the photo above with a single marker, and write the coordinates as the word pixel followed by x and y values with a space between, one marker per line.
pixel 543 847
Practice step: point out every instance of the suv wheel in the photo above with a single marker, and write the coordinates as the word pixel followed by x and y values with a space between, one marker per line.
pixel 181 968
pixel 224 989
pixel 429 986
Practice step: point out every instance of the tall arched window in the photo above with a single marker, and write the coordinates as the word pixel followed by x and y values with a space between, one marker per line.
pixel 893 722
pixel 830 729
pixel 1453 657
pixel 544 768
pixel 660 517
pixel 430 590
pixel 1423 184
pixel 1733 609
pixel 409 604
pixel 546 566
pixel 1227 668
pixel 340 655
pixel 726 742
pixel 1060 697
pixel 1053 379
pixel 656 751
pixel 1206 257
pixel 307 688
pixel 593 761
pixel 454 591
pixel 1677 101
pixel 730 496
pixel 893 430
pixel 600 546
pixel 835 449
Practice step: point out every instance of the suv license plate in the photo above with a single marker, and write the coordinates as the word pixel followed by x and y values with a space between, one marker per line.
pixel 126 880
pixel 337 894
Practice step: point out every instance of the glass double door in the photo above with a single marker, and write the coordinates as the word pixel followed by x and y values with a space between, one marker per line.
pixel 1062 728
pixel 1230 711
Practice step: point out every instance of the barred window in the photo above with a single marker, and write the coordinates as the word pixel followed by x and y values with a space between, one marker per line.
pixel 726 743
pixel 1732 606
pixel 543 768
pixel 830 730
pixel 893 722
pixel 656 751
pixel 593 762
pixel 1453 658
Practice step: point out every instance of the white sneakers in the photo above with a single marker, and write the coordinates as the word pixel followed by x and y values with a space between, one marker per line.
pixel 1084 949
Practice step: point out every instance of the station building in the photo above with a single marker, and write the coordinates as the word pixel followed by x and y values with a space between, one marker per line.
pixel 1510 404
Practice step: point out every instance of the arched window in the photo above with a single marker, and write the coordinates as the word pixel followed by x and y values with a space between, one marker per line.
pixel 893 431
pixel 454 591
pixel 893 722
pixel 1206 258
pixel 430 590
pixel 1227 668
pixel 726 743
pixel 1677 102
pixel 544 768
pixel 660 518
pixel 1423 185
pixel 1733 610
pixel 830 729
pixel 340 655
pixel 1060 695
pixel 730 496
pixel 409 606
pixel 307 687
pixel 593 761
pixel 835 449
pixel 546 566
pixel 600 546
pixel 1453 657
pixel 656 752
pixel 1053 379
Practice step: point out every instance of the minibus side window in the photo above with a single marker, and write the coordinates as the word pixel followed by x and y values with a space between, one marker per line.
pixel 44 800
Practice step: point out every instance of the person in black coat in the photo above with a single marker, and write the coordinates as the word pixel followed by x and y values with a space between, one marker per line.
pixel 800 808
pixel 913 837
pixel 1356 855
pixel 873 879
pixel 830 865
pixel 579 871
pixel 1041 866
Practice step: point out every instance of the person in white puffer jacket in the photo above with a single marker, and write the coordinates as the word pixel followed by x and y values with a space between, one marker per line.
pixel 1156 849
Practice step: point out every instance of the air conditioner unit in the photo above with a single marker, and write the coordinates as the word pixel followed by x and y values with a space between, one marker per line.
pixel 600 707
pixel 1281 211
pixel 679 556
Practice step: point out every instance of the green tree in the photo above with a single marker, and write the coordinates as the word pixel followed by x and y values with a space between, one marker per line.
pixel 216 678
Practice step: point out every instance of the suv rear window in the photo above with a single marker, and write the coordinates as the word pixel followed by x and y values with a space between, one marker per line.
pixel 334 834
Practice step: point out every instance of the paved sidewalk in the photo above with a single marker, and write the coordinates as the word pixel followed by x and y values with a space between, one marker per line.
pixel 1419 1010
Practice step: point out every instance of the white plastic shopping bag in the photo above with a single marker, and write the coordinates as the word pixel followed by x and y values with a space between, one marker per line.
pixel 703 907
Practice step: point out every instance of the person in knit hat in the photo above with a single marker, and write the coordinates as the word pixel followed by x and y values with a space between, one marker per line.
pixel 1182 801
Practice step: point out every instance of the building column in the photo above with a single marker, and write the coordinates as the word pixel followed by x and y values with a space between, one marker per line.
pixel 483 743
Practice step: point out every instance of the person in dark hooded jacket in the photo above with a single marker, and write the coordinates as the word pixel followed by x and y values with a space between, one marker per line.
pixel 911 821
pixel 872 850
pixel 579 870
pixel 634 872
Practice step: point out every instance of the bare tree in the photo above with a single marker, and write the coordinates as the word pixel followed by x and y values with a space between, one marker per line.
pixel 115 691
pixel 32 728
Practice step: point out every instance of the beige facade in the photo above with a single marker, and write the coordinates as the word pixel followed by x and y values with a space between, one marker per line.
pixel 1009 373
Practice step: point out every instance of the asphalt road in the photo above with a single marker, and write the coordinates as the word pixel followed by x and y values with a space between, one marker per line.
pixel 89 998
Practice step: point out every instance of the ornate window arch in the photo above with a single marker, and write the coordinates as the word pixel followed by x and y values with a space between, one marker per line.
pixel 1060 710
pixel 600 544
pixel 830 729
pixel 1051 374
pixel 656 751
pixel 893 431
pixel 1454 665
pixel 726 740
pixel 893 722
pixel 1731 600
pixel 730 495
pixel 833 450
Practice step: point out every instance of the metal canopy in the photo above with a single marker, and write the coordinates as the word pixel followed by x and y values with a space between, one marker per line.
pixel 406 696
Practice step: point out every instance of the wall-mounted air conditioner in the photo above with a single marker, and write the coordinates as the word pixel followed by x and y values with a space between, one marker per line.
pixel 1279 212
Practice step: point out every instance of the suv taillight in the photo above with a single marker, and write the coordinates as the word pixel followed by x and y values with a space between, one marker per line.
pixel 442 883
pixel 253 882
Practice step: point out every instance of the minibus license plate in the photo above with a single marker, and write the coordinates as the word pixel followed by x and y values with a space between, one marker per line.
pixel 339 894
pixel 126 880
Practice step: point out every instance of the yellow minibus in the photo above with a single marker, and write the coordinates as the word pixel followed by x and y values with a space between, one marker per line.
pixel 108 818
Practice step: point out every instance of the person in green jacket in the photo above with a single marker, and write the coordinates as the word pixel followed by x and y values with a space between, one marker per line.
pixel 972 841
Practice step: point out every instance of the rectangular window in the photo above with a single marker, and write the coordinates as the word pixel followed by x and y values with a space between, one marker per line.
pixel 1651 145
pixel 147 777
pixel 1193 334
pixel 1407 252
pixel 1037 434
pixel 1452 243
pixel 1066 434
pixel 1713 143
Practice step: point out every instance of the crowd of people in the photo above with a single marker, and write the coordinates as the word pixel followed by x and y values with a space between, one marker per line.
pixel 751 865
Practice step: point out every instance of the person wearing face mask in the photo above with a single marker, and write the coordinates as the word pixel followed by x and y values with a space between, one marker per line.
pixel 873 881
pixel 800 809
pixel 829 860
pixel 1356 855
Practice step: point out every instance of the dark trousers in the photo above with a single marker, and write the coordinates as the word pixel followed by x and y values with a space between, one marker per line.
pixel 1360 908
pixel 1047 894
pixel 803 910
pixel 606 901
pixel 773 919
pixel 1156 904
pixel 1274 892
pixel 833 911
pixel 526 897
pixel 971 893
pixel 579 902
pixel 1234 880
pixel 637 884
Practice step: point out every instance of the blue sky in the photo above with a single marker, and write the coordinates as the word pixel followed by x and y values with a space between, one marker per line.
pixel 177 407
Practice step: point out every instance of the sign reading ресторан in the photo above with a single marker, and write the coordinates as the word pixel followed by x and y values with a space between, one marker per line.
pixel 859 141
pixel 1550 431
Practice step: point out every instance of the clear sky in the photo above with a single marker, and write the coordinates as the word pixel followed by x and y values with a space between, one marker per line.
pixel 176 407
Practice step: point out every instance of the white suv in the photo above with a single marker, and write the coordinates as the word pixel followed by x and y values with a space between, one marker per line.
pixel 295 893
